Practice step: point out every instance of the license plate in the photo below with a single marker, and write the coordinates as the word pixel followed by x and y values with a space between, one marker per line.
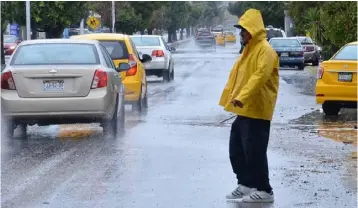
pixel 284 54
pixel 53 85
pixel 345 77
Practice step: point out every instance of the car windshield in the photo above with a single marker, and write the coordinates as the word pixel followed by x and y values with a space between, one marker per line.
pixel 349 52
pixel 146 41
pixel 56 53
pixel 271 33
pixel 305 40
pixel 10 39
pixel 117 49
pixel 284 43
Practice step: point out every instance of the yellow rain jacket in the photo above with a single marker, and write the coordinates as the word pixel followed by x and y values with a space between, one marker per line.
pixel 254 77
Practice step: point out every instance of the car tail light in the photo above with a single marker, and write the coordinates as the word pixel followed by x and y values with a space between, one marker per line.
pixel 133 64
pixel 100 79
pixel 7 81
pixel 158 53
pixel 320 72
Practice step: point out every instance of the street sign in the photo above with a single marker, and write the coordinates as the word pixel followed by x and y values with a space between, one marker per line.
pixel 93 22
pixel 15 30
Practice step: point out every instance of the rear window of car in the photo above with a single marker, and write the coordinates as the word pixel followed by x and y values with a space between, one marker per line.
pixel 117 49
pixel 284 43
pixel 271 33
pixel 56 53
pixel 349 52
pixel 10 39
pixel 146 41
pixel 305 40
pixel 204 34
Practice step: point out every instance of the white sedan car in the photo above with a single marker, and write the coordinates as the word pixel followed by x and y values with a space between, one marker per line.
pixel 162 64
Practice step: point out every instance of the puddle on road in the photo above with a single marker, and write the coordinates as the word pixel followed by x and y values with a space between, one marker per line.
pixel 341 128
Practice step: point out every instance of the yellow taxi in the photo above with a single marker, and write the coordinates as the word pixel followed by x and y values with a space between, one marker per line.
pixel 220 39
pixel 230 37
pixel 336 85
pixel 122 50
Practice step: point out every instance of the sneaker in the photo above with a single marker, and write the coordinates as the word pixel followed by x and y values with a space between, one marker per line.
pixel 240 192
pixel 259 197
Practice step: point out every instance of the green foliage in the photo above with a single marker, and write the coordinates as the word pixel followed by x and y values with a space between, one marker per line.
pixel 331 24
pixel 127 20
pixel 272 11
pixel 54 16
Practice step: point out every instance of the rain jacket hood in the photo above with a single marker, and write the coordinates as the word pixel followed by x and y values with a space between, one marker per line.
pixel 254 77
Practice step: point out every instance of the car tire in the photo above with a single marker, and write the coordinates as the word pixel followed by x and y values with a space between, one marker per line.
pixel 315 62
pixel 331 109
pixel 23 129
pixel 166 75
pixel 301 66
pixel 110 127
pixel 141 103
pixel 7 128
pixel 172 74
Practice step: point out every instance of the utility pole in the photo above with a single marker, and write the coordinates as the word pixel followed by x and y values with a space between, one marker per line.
pixel 28 21
pixel 113 16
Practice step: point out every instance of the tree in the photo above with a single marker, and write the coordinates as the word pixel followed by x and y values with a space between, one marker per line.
pixel 53 16
pixel 272 11
pixel 11 12
pixel 127 21
pixel 177 15
pixel 331 24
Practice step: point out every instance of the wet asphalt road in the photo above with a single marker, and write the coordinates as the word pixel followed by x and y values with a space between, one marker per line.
pixel 176 154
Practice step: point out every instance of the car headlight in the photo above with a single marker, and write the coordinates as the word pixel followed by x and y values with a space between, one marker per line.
pixel 12 47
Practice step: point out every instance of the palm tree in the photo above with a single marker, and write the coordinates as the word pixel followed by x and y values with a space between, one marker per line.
pixel 314 26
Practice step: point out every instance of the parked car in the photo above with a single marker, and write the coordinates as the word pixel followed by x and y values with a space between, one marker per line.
pixel 205 39
pixel 310 49
pixel 230 37
pixel 162 64
pixel 274 33
pixel 122 50
pixel 289 51
pixel 336 85
pixel 10 44
pixel 62 81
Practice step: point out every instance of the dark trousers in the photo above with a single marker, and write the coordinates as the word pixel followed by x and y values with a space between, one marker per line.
pixel 248 146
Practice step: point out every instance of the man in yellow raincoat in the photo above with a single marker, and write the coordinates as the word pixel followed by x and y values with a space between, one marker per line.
pixel 251 94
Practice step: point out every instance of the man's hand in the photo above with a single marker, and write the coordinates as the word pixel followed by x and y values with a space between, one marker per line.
pixel 237 103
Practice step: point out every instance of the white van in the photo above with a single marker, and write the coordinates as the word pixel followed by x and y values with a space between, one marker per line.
pixel 274 33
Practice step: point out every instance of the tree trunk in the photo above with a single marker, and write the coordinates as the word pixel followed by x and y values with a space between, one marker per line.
pixel 175 36
pixel 150 31
pixel 171 36
pixel 181 34
pixel 188 32
pixel 2 48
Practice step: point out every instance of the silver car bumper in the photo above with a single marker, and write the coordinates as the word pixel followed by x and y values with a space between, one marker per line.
pixel 157 63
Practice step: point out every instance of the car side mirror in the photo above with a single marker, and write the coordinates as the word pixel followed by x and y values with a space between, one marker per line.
pixel 145 58
pixel 171 48
pixel 122 67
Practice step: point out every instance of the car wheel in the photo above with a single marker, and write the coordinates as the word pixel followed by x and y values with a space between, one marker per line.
pixel 301 66
pixel 7 128
pixel 166 75
pixel 141 103
pixel 331 109
pixel 315 62
pixel 23 129
pixel 172 74
pixel 110 127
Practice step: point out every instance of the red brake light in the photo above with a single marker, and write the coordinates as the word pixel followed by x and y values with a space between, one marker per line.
pixel 320 72
pixel 158 53
pixel 100 79
pixel 7 82
pixel 133 64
